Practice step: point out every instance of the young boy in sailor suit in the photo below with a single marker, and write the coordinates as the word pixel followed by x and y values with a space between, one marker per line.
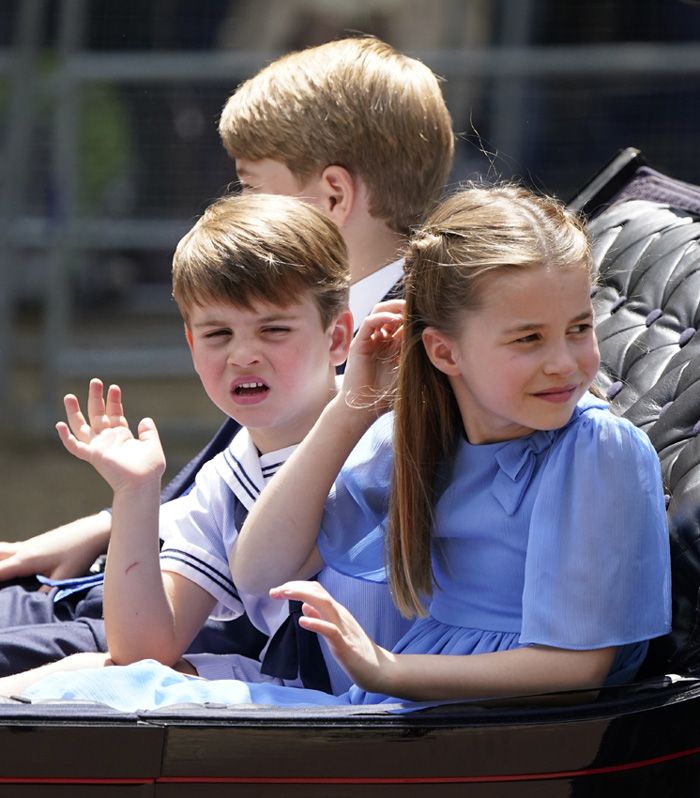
pixel 261 282
pixel 375 175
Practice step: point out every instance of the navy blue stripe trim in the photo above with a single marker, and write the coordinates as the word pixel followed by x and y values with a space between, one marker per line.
pixel 274 466
pixel 255 492
pixel 203 568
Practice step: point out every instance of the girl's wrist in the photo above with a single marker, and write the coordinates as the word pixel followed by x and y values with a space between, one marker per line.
pixel 348 414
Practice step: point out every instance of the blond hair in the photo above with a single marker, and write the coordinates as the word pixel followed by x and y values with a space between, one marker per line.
pixel 262 248
pixel 474 236
pixel 355 103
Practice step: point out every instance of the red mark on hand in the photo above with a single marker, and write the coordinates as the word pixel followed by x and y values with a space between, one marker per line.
pixel 133 565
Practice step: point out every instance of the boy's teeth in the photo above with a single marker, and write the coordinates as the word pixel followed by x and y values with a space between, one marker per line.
pixel 251 386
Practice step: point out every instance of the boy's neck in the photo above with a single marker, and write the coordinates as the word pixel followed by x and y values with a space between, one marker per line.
pixel 371 245
pixel 267 440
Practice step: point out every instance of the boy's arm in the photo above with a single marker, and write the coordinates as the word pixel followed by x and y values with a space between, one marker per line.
pixel 277 541
pixel 70 549
pixel 60 553
pixel 146 614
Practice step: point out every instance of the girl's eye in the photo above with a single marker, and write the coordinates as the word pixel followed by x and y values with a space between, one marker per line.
pixel 527 339
pixel 581 329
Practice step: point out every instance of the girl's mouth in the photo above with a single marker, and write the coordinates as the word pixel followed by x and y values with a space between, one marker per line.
pixel 557 395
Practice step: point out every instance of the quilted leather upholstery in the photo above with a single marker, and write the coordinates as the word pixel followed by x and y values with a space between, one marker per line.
pixel 647 306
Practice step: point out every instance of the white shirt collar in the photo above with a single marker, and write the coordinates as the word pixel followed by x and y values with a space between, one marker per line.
pixel 365 293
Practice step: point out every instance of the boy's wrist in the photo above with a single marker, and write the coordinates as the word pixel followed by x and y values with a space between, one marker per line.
pixel 139 490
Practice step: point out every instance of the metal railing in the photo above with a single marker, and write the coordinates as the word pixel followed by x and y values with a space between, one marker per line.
pixel 508 67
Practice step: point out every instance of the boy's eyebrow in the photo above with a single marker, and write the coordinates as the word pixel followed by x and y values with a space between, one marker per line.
pixel 269 319
pixel 587 314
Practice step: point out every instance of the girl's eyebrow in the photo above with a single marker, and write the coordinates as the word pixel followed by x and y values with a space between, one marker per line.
pixel 534 325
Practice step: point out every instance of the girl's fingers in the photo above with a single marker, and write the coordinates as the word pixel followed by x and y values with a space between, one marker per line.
pixel 301 590
pixel 317 601
pixel 329 630
pixel 310 611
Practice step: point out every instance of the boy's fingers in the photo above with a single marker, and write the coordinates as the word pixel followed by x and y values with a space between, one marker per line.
pixel 147 430
pixel 71 443
pixel 74 415
pixel 96 409
pixel 114 408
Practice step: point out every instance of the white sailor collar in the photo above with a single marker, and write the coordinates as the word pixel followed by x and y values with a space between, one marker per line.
pixel 245 470
pixel 365 293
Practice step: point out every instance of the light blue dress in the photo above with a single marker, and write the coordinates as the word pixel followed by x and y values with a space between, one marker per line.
pixel 558 538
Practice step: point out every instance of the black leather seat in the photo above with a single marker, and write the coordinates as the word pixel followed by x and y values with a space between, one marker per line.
pixel 646 244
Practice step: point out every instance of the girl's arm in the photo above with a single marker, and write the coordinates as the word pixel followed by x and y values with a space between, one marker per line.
pixel 277 541
pixel 146 614
pixel 431 677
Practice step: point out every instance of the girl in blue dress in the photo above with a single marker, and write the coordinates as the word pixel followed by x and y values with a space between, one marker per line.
pixel 512 513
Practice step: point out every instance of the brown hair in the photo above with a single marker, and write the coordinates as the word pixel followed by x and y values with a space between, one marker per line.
pixel 262 248
pixel 355 103
pixel 477 232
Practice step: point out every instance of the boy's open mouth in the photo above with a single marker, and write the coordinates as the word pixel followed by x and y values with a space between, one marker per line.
pixel 250 388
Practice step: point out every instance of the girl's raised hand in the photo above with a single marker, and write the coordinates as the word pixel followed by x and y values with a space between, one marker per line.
pixel 105 441
pixel 364 661
pixel 374 353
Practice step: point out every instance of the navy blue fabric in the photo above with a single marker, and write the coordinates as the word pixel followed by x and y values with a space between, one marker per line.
pixel 35 630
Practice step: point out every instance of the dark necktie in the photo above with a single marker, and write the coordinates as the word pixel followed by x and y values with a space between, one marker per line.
pixel 293 651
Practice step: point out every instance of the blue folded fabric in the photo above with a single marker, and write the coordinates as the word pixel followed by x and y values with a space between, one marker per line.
pixel 67 587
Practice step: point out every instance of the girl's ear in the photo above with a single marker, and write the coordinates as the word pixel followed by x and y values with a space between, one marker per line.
pixel 341 330
pixel 337 193
pixel 441 350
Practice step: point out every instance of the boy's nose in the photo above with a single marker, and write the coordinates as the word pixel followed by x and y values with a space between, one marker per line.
pixel 243 353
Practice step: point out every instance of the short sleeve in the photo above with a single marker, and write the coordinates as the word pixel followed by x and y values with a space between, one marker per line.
pixel 352 535
pixel 193 528
pixel 597 569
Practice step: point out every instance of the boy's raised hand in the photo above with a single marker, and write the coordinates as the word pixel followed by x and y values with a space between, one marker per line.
pixel 105 441
pixel 371 367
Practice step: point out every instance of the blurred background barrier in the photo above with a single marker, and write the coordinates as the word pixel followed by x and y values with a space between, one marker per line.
pixel 108 113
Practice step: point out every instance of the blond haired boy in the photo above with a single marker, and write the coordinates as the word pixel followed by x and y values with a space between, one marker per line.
pixel 262 285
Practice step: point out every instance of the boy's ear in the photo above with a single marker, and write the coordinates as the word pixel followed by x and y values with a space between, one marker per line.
pixel 341 330
pixel 337 193
pixel 440 349
pixel 188 336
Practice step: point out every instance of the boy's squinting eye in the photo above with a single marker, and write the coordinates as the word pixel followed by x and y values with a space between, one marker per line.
pixel 276 330
pixel 217 333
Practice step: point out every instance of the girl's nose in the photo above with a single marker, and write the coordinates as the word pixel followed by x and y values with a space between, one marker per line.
pixel 560 360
